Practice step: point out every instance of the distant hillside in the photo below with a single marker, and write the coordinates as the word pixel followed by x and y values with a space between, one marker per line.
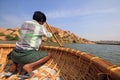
pixel 108 42
pixel 63 36
pixel 9 34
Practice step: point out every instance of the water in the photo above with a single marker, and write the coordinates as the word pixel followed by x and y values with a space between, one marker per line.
pixel 110 53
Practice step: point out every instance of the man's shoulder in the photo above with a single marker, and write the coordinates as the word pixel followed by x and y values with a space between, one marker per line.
pixel 32 22
pixel 28 23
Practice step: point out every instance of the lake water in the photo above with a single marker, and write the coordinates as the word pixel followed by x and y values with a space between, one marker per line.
pixel 110 53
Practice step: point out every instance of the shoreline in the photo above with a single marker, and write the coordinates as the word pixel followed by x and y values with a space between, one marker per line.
pixel 7 42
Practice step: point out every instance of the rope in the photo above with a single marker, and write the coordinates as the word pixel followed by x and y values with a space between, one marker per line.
pixel 107 74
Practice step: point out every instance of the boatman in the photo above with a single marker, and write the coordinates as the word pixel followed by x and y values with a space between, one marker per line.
pixel 26 50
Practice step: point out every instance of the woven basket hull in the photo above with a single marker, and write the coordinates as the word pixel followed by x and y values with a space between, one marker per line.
pixel 69 63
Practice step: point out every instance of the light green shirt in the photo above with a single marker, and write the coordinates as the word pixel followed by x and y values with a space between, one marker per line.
pixel 31 34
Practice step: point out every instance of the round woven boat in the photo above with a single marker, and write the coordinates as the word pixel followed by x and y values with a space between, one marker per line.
pixel 66 64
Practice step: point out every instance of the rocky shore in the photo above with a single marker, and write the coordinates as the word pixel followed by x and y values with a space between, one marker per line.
pixel 12 34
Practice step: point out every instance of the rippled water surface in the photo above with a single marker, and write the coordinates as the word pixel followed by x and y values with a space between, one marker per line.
pixel 110 53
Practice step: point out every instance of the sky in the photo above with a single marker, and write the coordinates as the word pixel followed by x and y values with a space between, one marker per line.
pixel 90 19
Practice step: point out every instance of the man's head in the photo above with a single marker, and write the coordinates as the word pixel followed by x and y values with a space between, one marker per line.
pixel 39 17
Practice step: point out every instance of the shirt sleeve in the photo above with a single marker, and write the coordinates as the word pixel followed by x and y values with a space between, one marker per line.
pixel 45 32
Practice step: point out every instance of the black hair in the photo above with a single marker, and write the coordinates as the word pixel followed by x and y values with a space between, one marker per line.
pixel 39 16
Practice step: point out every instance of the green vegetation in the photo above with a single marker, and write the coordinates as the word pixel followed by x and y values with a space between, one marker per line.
pixel 2 34
pixel 11 38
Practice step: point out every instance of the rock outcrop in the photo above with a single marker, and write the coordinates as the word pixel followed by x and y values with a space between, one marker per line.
pixel 9 34
pixel 62 36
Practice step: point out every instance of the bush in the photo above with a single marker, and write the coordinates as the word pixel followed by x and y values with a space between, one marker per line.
pixel 2 34
pixel 11 38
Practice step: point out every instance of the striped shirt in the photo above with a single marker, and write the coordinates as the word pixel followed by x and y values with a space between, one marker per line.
pixel 31 33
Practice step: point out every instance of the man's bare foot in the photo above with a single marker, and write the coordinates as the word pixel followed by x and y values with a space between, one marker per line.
pixel 28 68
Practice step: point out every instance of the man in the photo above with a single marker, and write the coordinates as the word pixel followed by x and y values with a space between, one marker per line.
pixel 26 50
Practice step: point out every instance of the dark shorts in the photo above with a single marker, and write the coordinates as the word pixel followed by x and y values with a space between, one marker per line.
pixel 26 56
